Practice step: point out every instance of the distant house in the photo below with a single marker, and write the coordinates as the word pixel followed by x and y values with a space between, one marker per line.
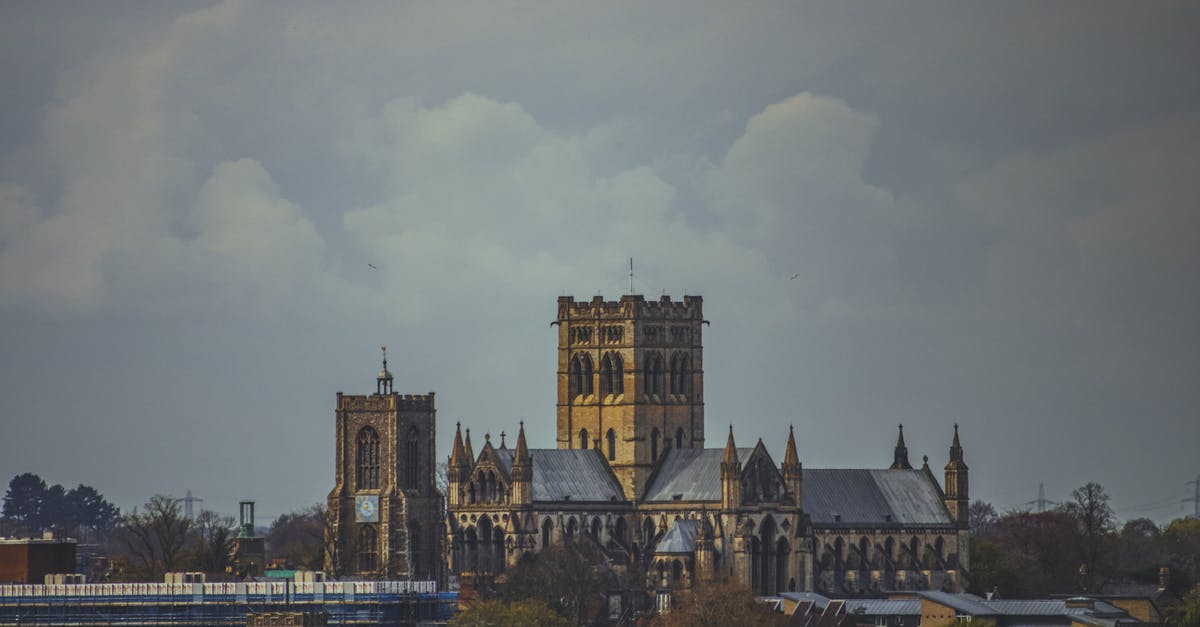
pixel 29 560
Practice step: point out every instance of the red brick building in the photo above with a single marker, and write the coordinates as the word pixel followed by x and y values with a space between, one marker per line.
pixel 29 560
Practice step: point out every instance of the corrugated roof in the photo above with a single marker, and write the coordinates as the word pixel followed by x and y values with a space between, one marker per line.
pixel 692 473
pixel 884 607
pixel 575 475
pixel 849 497
pixel 680 538
pixel 963 603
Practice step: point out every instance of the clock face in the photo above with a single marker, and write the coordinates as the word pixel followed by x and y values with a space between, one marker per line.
pixel 367 508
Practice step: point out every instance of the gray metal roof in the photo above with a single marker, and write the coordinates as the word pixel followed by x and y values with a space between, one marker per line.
pixel 574 475
pixel 694 474
pixel 680 538
pixel 884 607
pixel 849 497
pixel 818 600
pixel 962 603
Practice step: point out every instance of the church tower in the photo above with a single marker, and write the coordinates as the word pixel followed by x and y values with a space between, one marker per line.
pixel 958 500
pixel 384 508
pixel 630 380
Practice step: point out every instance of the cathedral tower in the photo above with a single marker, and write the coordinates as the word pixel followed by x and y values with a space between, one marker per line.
pixel 384 509
pixel 630 380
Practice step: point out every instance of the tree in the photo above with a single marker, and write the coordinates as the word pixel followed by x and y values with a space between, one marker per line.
pixel 300 536
pixel 155 537
pixel 1094 526
pixel 25 501
pixel 1040 546
pixel 568 578
pixel 995 569
pixel 1186 614
pixel 214 537
pixel 515 614
pixel 1140 550
pixel 720 604
pixel 982 518
pixel 87 510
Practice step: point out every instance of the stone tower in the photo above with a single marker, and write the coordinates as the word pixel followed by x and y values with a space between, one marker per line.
pixel 384 509
pixel 630 380
pixel 958 500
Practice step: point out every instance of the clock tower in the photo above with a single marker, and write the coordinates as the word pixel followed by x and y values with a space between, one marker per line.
pixel 384 510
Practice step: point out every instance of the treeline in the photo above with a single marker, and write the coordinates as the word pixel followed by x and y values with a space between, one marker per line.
pixel 1079 547
pixel 157 538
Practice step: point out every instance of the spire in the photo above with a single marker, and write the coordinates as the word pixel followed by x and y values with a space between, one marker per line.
pixel 900 458
pixel 458 454
pixel 383 382
pixel 956 449
pixel 469 450
pixel 503 445
pixel 790 458
pixel 521 456
pixel 730 451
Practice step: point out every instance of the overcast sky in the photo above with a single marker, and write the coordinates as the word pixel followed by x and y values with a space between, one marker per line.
pixel 991 210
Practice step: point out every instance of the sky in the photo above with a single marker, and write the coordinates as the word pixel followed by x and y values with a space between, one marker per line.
pixel 212 215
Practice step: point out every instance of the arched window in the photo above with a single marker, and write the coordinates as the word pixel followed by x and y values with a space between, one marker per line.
pixel 618 375
pixel 654 444
pixel 606 376
pixel 572 527
pixel 612 444
pixel 619 532
pixel 366 476
pixel 679 437
pixel 676 570
pixel 368 544
pixel 583 439
pixel 547 530
pixel 595 530
pixel 471 494
pixel 574 377
pixel 680 374
pixel 653 374
pixel 585 372
pixel 412 463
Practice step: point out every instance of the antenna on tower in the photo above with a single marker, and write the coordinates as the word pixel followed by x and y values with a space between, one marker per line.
pixel 631 276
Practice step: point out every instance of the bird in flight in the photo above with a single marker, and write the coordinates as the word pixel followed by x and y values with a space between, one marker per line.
pixel 372 266
pixel 794 276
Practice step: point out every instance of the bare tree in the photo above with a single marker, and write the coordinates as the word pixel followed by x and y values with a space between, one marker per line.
pixel 155 537
pixel 1094 527
pixel 214 538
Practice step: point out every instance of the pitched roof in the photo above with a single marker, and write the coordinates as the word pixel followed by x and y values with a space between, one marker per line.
pixel 680 538
pixel 571 474
pixel 692 473
pixel 850 497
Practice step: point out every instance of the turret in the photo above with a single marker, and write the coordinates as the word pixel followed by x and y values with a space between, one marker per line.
pixel 384 381
pixel 900 456
pixel 522 471
pixel 458 468
pixel 731 476
pixel 793 472
pixel 958 498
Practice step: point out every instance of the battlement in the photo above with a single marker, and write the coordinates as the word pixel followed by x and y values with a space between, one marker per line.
pixel 386 402
pixel 630 306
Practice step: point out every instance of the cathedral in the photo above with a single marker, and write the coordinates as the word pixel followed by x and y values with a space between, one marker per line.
pixel 631 475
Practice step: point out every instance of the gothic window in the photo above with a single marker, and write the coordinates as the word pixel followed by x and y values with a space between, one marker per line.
pixel 368 543
pixel 411 461
pixel 367 471
pixel 612 445
pixel 653 374
pixel 619 531
pixel 595 530
pixel 654 444
pixel 574 378
pixel 679 437
pixel 583 439
pixel 606 376
pixel 547 529
pixel 679 374
pixel 612 376
pixel 572 527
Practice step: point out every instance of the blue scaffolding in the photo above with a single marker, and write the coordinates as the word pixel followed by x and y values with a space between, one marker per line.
pixel 392 603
